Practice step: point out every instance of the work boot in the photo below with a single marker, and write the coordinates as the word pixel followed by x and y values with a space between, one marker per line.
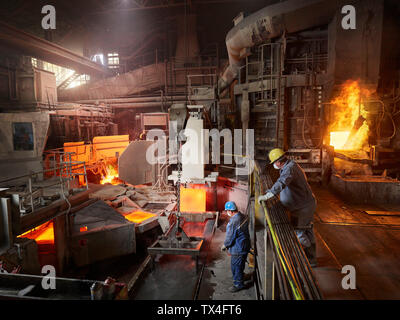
pixel 234 289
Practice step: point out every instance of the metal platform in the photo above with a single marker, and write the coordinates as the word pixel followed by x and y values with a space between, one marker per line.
pixel 167 245
pixel 176 242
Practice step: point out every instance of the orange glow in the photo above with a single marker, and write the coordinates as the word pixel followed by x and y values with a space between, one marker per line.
pixel 138 216
pixel 338 139
pixel 193 200
pixel 83 229
pixel 43 234
pixel 111 176
pixel 347 132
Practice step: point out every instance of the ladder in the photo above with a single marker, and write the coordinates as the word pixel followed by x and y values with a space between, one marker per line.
pixel 64 85
pixel 272 93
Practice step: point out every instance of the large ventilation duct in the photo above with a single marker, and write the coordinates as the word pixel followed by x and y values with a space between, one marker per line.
pixel 271 22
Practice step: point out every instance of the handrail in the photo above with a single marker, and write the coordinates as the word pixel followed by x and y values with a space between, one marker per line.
pixel 68 171
pixel 63 166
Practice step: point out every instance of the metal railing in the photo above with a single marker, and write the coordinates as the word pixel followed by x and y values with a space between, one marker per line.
pixel 65 167
pixel 287 274
pixel 35 184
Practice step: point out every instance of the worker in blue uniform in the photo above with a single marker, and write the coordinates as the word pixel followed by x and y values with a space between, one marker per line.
pixel 296 196
pixel 237 242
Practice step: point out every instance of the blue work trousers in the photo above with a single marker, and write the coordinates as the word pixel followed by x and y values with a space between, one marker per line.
pixel 238 262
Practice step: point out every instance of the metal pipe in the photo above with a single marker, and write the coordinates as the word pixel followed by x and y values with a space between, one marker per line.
pixel 132 100
pixel 141 105
pixel 271 22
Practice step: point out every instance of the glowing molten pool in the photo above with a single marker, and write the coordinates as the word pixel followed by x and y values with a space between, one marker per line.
pixel 138 216
pixel 338 139
pixel 43 234
pixel 349 129
pixel 193 200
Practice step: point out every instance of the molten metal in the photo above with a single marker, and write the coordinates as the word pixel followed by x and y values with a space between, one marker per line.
pixel 193 200
pixel 43 234
pixel 138 216
pixel 338 139
pixel 349 130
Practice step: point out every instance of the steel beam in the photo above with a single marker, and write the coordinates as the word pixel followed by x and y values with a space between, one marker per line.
pixel 15 40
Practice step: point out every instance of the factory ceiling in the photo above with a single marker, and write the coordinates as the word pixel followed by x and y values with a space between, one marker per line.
pixel 87 26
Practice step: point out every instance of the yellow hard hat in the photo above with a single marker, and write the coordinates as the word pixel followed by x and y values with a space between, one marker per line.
pixel 275 154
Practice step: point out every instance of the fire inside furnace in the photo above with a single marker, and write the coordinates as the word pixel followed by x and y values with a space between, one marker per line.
pixel 338 139
pixel 111 175
pixel 43 234
pixel 349 130
pixel 193 200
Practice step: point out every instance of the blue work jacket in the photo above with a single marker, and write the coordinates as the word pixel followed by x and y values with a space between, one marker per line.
pixel 237 239
pixel 293 188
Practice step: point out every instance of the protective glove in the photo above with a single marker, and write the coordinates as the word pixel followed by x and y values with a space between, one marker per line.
pixel 223 248
pixel 265 197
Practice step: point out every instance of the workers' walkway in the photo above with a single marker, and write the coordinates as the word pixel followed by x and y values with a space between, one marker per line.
pixel 217 276
pixel 347 235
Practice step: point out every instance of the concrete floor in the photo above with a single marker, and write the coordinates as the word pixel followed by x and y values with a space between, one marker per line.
pixel 217 277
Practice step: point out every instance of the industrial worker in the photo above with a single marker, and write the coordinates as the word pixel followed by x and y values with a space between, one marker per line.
pixel 296 196
pixel 237 241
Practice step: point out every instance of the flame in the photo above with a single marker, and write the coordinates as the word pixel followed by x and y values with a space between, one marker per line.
pixel 111 176
pixel 349 130
pixel 43 234
pixel 193 200
pixel 138 216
